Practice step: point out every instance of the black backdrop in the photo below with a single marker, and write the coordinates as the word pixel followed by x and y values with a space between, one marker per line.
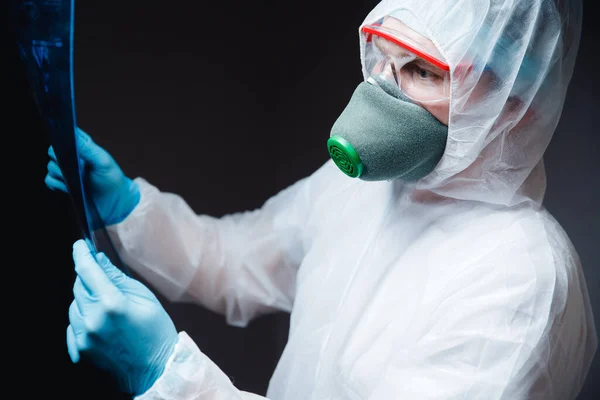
pixel 224 103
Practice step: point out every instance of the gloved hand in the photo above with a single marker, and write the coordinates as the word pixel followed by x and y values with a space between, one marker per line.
pixel 117 323
pixel 114 194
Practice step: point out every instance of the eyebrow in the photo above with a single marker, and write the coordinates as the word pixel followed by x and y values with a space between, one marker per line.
pixel 422 62
pixel 385 46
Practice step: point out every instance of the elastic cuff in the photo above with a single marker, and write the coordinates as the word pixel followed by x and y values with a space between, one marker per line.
pixel 131 196
pixel 190 374
pixel 140 192
pixel 183 374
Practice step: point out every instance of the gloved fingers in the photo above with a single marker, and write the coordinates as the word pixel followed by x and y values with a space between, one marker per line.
pixel 51 153
pixel 81 293
pixel 92 275
pixel 76 319
pixel 83 135
pixel 54 179
pixel 91 153
pixel 55 184
pixel 72 345
pixel 78 339
pixel 85 146
pixel 116 276
pixel 54 170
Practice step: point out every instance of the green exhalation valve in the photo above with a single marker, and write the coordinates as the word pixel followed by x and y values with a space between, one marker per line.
pixel 344 156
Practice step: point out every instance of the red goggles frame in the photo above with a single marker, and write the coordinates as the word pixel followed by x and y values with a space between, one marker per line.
pixel 371 30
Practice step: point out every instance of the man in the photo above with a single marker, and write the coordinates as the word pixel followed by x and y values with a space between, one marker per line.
pixel 437 274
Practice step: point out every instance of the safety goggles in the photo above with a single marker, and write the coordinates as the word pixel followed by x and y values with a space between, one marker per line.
pixel 420 74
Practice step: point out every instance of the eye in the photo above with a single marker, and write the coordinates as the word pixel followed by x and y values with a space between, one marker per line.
pixel 423 73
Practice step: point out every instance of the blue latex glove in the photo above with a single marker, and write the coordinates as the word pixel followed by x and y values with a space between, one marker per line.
pixel 114 194
pixel 117 323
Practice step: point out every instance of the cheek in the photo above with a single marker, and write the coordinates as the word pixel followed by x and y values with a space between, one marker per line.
pixel 441 111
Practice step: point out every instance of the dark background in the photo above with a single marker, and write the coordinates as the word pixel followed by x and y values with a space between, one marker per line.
pixel 224 103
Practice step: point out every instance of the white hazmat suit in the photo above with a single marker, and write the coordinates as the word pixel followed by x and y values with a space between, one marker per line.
pixel 458 286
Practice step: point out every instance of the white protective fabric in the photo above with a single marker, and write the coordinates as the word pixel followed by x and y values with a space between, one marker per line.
pixel 461 286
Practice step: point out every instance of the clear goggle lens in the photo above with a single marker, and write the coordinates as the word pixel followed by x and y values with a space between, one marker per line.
pixel 422 77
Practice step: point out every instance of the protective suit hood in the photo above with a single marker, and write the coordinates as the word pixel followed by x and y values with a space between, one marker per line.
pixel 510 68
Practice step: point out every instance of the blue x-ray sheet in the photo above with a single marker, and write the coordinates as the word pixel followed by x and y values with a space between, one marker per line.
pixel 44 30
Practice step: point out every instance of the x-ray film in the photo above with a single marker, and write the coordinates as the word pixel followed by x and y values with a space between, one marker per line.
pixel 44 30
